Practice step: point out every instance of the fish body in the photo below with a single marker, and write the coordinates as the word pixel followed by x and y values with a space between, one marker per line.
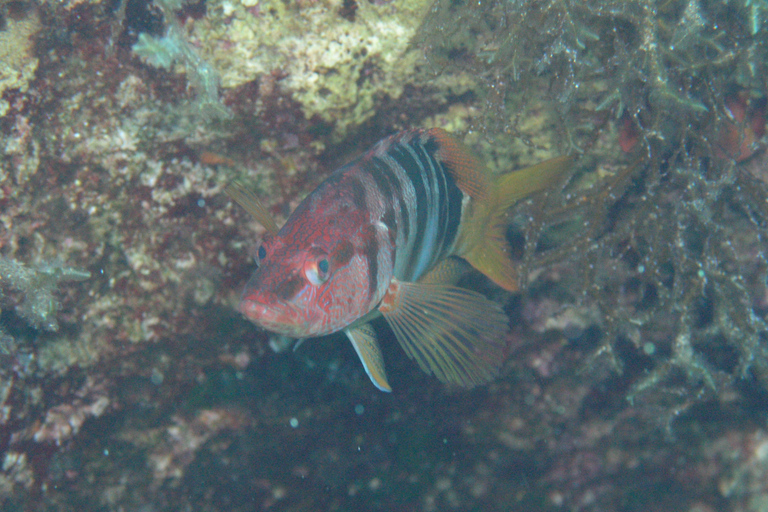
pixel 388 234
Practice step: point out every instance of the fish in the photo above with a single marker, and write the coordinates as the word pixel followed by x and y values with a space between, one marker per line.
pixel 390 234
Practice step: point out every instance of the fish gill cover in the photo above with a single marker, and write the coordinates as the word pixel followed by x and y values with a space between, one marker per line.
pixel 636 372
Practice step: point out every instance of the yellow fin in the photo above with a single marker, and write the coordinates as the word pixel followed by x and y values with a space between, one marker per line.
pixel 492 258
pixel 252 205
pixel 363 338
pixel 448 271
pixel 453 333
pixel 518 184
pixel 489 252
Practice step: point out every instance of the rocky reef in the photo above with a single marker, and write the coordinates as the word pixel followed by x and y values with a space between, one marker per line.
pixel 637 364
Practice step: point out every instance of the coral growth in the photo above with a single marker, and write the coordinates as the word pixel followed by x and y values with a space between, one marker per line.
pixel 340 70
pixel 63 421
pixel 17 61
pixel 170 457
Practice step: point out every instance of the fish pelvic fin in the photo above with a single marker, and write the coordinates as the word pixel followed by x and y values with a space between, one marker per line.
pixel 363 339
pixel 453 333
pixel 488 250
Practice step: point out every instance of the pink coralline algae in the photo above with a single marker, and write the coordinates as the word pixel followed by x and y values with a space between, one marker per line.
pixel 176 451
pixel 63 421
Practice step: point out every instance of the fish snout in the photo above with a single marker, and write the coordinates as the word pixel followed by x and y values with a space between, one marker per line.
pixel 254 310
pixel 280 318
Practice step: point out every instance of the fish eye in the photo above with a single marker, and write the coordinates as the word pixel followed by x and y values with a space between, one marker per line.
pixel 317 271
pixel 261 253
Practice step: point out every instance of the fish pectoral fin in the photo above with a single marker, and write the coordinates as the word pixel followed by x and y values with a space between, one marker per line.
pixel 363 338
pixel 453 333
pixel 248 200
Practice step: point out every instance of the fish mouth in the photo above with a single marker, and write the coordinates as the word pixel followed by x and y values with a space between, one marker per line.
pixel 282 318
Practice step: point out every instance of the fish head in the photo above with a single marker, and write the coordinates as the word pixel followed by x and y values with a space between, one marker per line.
pixel 309 290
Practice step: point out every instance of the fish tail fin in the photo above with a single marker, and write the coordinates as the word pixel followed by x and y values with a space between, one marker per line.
pixel 491 253
pixel 513 186
pixel 483 240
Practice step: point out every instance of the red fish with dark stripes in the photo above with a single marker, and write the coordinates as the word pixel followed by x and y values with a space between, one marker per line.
pixel 390 234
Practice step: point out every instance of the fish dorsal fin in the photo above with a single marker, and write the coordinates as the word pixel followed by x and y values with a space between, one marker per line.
pixel 248 200
pixel 468 171
pixel 453 333
pixel 363 338
pixel 516 185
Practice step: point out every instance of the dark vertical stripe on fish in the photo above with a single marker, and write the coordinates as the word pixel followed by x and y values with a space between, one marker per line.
pixel 388 183
pixel 455 200
pixel 382 177
pixel 451 197
pixel 426 243
pixel 454 193
pixel 371 253
pixel 378 166
pixel 410 166
pixel 358 192
pixel 390 220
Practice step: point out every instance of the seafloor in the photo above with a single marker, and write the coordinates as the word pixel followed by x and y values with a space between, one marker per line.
pixel 636 372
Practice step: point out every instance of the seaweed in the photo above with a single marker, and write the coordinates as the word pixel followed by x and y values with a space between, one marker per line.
pixel 670 252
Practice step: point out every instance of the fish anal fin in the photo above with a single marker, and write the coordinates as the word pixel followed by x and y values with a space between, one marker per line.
pixel 453 333
pixel 469 172
pixel 363 339
pixel 248 200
